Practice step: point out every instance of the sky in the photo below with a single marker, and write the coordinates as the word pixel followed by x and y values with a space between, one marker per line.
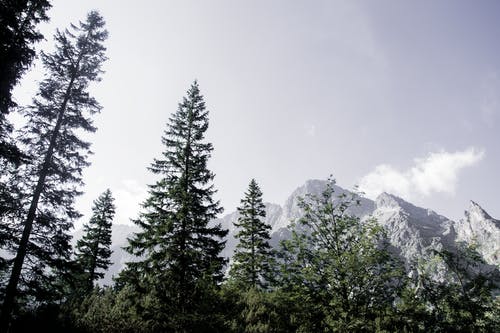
pixel 396 96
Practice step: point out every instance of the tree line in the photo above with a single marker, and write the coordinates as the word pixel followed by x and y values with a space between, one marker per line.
pixel 334 274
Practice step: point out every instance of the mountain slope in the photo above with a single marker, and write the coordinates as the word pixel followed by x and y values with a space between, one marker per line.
pixel 413 232
pixel 480 229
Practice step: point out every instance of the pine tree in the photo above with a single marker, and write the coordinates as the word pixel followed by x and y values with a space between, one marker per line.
pixel 93 250
pixel 179 247
pixel 253 256
pixel 50 182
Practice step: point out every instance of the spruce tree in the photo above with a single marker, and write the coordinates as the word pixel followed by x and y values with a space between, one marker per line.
pixel 179 247
pixel 60 112
pixel 253 256
pixel 18 34
pixel 93 249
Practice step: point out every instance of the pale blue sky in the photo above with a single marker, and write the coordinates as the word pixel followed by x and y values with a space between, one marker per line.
pixel 393 95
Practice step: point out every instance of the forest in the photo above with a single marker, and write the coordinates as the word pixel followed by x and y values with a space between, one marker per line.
pixel 336 273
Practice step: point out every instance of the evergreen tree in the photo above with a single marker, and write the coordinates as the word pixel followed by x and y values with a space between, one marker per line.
pixel 253 255
pixel 18 20
pixel 93 250
pixel 18 34
pixel 50 182
pixel 179 247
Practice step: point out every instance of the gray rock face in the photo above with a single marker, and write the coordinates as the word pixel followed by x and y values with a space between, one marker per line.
pixel 273 214
pixel 292 212
pixel 477 227
pixel 119 257
pixel 413 232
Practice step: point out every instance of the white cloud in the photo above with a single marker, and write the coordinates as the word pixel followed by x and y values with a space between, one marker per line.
pixel 436 173
pixel 128 199
pixel 385 178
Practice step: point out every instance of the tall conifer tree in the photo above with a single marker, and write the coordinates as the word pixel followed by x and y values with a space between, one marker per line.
pixel 93 249
pixel 253 256
pixel 18 20
pixel 18 34
pixel 62 109
pixel 178 246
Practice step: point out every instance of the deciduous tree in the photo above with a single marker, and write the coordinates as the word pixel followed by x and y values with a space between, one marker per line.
pixel 339 265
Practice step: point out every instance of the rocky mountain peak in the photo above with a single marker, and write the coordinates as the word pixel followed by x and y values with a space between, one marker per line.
pixel 413 232
pixel 475 211
pixel 480 228
pixel 388 200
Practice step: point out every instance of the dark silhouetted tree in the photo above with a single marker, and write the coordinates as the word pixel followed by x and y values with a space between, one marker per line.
pixel 93 249
pixel 60 112
pixel 18 34
pixel 179 247
pixel 252 259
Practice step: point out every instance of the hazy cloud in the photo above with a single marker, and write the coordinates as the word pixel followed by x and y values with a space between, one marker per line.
pixel 128 199
pixel 436 173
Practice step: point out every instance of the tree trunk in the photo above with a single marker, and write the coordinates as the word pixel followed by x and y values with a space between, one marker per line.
pixel 10 292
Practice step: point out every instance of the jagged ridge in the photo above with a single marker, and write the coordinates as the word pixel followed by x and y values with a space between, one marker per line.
pixel 413 231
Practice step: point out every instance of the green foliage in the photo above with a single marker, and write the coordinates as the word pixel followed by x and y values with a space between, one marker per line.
pixel 340 264
pixel 18 34
pixel 335 272
pixel 253 258
pixel 50 182
pixel 178 246
pixel 93 250
pixel 463 301
pixel 254 310
pixel 109 311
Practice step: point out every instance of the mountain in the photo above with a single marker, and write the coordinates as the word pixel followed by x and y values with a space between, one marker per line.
pixel 119 235
pixel 413 232
pixel 481 229
pixel 273 214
